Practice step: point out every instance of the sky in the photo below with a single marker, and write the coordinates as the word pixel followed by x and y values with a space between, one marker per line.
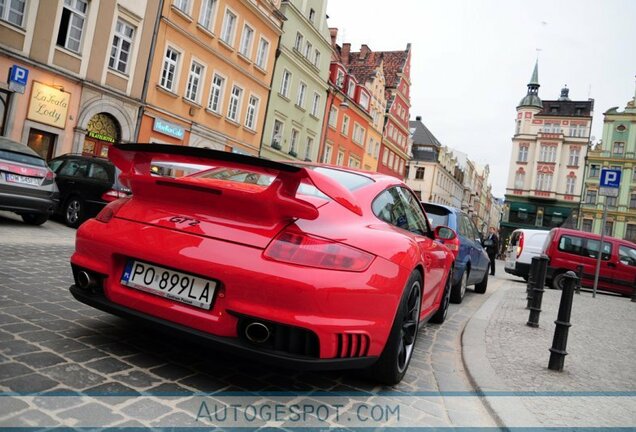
pixel 472 60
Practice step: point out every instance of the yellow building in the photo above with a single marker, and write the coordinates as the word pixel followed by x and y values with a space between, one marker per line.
pixel 211 73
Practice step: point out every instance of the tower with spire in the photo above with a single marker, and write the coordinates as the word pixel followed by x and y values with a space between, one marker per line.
pixel 547 160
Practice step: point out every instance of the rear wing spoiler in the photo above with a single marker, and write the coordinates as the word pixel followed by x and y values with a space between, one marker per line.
pixel 135 162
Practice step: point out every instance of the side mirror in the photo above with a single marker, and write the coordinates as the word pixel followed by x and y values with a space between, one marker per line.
pixel 443 233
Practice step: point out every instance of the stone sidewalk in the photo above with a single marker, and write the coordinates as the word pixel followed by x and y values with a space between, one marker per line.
pixel 508 360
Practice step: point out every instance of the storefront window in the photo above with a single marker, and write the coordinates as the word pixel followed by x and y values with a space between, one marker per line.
pixel 103 130
pixel 42 142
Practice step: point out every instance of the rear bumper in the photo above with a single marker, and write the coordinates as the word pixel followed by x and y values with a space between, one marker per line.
pixel 24 200
pixel 521 269
pixel 232 345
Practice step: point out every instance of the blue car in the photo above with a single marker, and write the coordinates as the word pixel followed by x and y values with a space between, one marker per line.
pixel 472 264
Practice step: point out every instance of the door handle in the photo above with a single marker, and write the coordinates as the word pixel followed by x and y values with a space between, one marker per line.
pixel 611 264
pixel 70 182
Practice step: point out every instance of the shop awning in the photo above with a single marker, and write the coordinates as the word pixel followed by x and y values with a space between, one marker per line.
pixel 523 207
pixel 563 212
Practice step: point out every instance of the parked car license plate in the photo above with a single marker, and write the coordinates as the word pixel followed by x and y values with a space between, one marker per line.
pixel 14 178
pixel 171 284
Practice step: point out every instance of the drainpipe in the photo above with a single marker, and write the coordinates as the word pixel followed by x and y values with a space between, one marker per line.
pixel 271 86
pixel 144 91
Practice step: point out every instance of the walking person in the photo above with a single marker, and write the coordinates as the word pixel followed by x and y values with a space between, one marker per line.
pixel 492 247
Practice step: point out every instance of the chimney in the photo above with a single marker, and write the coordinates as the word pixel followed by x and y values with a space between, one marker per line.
pixel 364 51
pixel 333 32
pixel 418 118
pixel 344 53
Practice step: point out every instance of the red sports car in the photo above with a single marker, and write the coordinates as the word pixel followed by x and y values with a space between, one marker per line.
pixel 310 266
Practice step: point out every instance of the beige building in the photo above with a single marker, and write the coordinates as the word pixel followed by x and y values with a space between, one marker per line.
pixel 86 64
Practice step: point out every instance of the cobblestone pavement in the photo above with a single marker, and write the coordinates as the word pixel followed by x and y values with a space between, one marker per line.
pixel 54 346
pixel 601 357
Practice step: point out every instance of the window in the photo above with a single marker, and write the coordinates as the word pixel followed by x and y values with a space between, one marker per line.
pixel 552 128
pixel 351 88
pixel 308 50
pixel 229 24
pixel 340 158
pixel 618 148
pixel 12 11
pixel 169 69
pixel 286 81
pixel 98 172
pixel 548 153
pixel 298 44
pixel 277 134
pixel 573 159
pixel 520 180
pixel 312 15
pixel 419 173
pixel 391 160
pixel 587 225
pixel 399 207
pixel 570 184
pixel 302 90
pixel 632 201
pixel 315 103
pixel 310 144
pixel 610 201
pixel 364 100
pixel 609 230
pixel 340 76
pixel 183 6
pixel 595 170
pixel 235 103
pixel 345 126
pixel 377 150
pixel 72 24
pixel 326 158
pixel 216 93
pixel 206 18
pixel 630 234
pixel 577 131
pixel 370 147
pixel 333 116
pixel 354 162
pixel 246 41
pixel 293 146
pixel 633 175
pixel 590 197
pixel 544 181
pixel 120 50
pixel 194 81
pixel 261 55
pixel 252 110
pixel 358 134
pixel 317 58
pixel 385 156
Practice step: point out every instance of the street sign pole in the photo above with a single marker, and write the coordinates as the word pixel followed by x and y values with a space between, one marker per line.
pixel 600 251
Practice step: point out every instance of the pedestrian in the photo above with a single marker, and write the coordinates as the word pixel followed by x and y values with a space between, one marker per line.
pixel 492 246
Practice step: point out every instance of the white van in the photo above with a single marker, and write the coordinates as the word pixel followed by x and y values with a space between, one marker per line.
pixel 524 244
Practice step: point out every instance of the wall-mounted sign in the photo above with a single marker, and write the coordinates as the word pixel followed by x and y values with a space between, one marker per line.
pixel 100 136
pixel 18 79
pixel 48 105
pixel 167 128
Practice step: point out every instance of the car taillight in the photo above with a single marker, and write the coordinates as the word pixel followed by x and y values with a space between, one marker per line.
pixel 113 194
pixel 111 210
pixel 520 245
pixel 295 247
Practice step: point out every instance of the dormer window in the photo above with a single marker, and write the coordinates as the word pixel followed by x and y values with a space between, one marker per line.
pixel 340 78
pixel 351 88
pixel 364 100
pixel 312 15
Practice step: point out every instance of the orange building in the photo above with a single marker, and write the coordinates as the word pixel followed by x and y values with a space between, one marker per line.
pixel 211 72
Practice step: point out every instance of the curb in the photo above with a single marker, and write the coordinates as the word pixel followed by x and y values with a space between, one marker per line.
pixel 507 411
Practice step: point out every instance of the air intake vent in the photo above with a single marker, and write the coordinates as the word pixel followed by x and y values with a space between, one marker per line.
pixel 352 345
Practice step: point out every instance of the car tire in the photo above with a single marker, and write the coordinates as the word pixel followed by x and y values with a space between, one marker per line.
pixel 440 315
pixel 73 212
pixel 34 218
pixel 480 287
pixel 396 356
pixel 459 290
pixel 557 281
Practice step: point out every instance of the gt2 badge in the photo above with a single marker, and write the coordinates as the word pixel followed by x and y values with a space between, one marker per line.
pixel 186 220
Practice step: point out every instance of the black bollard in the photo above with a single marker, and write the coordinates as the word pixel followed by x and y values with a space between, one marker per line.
pixel 634 291
pixel 532 276
pixel 560 341
pixel 537 290
pixel 579 274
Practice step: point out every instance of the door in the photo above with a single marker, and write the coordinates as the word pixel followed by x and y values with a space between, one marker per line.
pixel 478 255
pixel 98 181
pixel 625 271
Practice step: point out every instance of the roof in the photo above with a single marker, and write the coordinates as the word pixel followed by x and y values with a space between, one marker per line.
pixel 567 108
pixel 363 64
pixel 421 134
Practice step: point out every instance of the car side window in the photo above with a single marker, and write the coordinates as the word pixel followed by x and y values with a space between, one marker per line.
pixel 390 207
pixel 55 164
pixel 627 255
pixel 98 172
pixel 414 214
pixel 592 247
pixel 464 227
pixel 75 168
pixel 476 234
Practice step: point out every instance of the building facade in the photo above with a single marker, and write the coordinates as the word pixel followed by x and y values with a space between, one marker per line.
pixel 616 150
pixel 293 123
pixel 210 75
pixel 86 63
pixel 548 158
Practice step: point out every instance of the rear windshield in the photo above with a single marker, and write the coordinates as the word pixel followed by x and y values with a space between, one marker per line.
pixel 436 215
pixel 349 180
pixel 22 158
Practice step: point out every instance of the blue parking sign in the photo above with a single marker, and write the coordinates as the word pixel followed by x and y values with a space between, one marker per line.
pixel 19 75
pixel 610 178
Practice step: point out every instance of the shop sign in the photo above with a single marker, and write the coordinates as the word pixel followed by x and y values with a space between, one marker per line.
pixel 18 79
pixel 168 128
pixel 48 105
pixel 101 137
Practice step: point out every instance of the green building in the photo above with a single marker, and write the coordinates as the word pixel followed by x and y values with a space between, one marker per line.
pixel 293 121
pixel 617 150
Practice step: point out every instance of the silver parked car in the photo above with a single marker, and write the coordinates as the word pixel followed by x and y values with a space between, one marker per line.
pixel 27 184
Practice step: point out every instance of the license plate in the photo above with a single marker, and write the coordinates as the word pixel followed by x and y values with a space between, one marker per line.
pixel 14 178
pixel 170 284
